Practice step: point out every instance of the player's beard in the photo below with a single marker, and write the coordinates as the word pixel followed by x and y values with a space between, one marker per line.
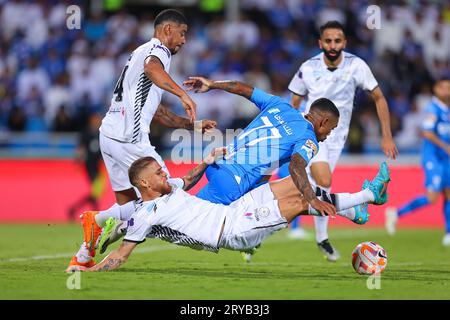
pixel 330 57
pixel 174 51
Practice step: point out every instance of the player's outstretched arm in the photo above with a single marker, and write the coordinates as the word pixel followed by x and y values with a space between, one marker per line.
pixel 169 119
pixel 387 142
pixel 296 100
pixel 200 84
pixel 154 70
pixel 196 174
pixel 116 258
pixel 297 169
pixel 433 138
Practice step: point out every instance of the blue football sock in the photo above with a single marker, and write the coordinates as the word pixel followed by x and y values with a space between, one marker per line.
pixel 447 215
pixel 414 204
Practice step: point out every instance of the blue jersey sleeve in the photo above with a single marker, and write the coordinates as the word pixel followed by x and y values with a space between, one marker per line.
pixel 263 100
pixel 307 148
pixel 430 119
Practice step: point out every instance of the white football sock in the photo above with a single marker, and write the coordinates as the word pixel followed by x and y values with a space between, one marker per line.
pixel 104 215
pixel 321 223
pixel 123 212
pixel 349 200
pixel 83 254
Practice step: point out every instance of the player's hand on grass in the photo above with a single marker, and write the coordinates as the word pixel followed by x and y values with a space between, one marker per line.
pixel 323 207
pixel 189 106
pixel 198 84
pixel 389 148
pixel 216 153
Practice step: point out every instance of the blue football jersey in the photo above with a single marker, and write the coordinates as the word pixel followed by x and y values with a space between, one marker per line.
pixel 437 120
pixel 269 141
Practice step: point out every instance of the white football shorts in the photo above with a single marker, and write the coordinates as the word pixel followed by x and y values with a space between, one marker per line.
pixel 118 157
pixel 254 217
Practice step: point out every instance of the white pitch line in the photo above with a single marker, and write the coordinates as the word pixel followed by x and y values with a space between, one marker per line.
pixel 68 255
pixel 340 235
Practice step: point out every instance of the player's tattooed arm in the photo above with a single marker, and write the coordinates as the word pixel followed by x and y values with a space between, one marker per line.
pixel 297 169
pixel 196 174
pixel 200 84
pixel 235 87
pixel 116 258
pixel 167 118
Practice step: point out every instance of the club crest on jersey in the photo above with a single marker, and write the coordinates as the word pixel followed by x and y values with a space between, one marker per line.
pixel 310 148
pixel 429 121
pixel 262 213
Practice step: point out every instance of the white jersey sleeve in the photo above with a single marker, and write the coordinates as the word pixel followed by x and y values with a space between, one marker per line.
pixel 297 84
pixel 139 225
pixel 364 76
pixel 162 53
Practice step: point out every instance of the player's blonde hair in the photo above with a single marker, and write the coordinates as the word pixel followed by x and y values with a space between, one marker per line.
pixel 136 168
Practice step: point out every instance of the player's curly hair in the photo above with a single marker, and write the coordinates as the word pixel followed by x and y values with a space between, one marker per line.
pixel 325 105
pixel 136 168
pixel 170 15
pixel 331 25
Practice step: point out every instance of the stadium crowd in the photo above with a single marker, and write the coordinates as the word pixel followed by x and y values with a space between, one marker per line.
pixel 52 78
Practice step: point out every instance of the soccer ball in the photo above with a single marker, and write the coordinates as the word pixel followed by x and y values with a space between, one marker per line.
pixel 369 258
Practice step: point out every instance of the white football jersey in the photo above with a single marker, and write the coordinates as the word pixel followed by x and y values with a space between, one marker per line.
pixel 315 80
pixel 179 218
pixel 136 98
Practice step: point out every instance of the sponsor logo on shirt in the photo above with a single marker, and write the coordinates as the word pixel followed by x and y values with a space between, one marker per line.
pixel 273 110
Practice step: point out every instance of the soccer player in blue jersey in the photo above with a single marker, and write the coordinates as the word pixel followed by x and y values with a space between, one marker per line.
pixel 435 159
pixel 279 134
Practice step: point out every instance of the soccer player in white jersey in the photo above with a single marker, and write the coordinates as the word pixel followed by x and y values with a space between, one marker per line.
pixel 336 74
pixel 173 215
pixel 124 133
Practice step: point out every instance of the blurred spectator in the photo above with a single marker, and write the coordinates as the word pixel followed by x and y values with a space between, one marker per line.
pixel 331 12
pixel 44 65
pixel 33 76
pixel 389 36
pixel 409 136
pixel 95 28
pixel 242 33
pixel 63 122
pixel 17 120
pixel 57 95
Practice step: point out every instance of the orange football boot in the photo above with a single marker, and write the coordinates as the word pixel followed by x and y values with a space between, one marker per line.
pixel 74 264
pixel 92 231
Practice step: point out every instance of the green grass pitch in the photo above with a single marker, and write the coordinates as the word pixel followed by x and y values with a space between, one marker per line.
pixel 33 258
